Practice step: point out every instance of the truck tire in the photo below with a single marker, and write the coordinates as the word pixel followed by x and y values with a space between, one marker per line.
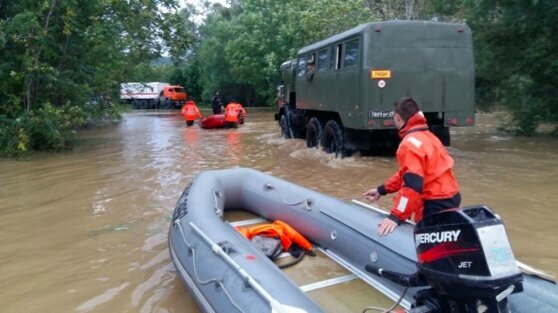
pixel 143 104
pixel 135 104
pixel 442 132
pixel 313 133
pixel 285 129
pixel 333 140
pixel 169 104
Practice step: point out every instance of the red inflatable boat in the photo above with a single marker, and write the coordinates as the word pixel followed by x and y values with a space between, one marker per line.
pixel 213 121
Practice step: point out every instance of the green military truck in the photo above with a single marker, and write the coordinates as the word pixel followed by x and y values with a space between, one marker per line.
pixel 339 92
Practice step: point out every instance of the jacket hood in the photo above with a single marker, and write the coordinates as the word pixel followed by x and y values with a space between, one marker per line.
pixel 414 123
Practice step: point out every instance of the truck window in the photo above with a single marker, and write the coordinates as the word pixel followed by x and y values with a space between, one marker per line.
pixel 301 68
pixel 335 60
pixel 351 53
pixel 322 60
pixel 311 63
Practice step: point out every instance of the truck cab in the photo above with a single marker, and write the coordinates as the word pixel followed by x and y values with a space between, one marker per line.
pixel 173 96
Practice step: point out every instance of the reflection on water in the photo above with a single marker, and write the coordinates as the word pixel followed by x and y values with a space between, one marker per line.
pixel 86 231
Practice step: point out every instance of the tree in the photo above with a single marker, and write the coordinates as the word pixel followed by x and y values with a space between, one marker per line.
pixel 74 52
pixel 241 47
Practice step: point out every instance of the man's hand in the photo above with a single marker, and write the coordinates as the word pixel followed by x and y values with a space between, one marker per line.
pixel 372 195
pixel 386 226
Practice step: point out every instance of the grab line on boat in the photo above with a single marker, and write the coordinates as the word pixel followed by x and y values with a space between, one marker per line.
pixel 366 278
pixel 328 282
pixel 307 202
pixel 202 300
pixel 197 277
pixel 275 305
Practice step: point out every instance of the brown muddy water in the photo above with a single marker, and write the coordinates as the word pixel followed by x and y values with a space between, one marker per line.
pixel 86 231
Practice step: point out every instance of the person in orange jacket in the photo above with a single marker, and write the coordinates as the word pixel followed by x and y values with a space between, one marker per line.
pixel 234 114
pixel 190 112
pixel 425 182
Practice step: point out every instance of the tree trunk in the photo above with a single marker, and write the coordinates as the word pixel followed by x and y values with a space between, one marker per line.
pixel 31 89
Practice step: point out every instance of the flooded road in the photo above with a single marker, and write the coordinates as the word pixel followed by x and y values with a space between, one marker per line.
pixel 86 231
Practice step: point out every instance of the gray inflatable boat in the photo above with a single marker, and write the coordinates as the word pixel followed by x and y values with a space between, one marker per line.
pixel 226 273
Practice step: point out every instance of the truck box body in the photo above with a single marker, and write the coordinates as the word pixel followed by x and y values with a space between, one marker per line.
pixel 142 91
pixel 355 77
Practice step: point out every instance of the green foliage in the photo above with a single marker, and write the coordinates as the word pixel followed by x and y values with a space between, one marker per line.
pixel 47 129
pixel 66 54
pixel 190 77
pixel 242 46
pixel 516 56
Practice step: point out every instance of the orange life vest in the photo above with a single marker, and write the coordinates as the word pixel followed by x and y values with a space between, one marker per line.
pixel 232 112
pixel 190 111
pixel 277 229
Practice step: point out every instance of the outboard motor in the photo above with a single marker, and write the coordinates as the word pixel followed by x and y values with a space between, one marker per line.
pixel 464 255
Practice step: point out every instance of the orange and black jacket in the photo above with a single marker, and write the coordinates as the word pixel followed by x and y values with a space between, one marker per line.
pixel 234 111
pixel 425 179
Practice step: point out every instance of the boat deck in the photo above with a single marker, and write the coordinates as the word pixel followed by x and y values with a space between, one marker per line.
pixel 327 282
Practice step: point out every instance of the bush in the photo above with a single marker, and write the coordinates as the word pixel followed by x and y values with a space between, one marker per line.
pixel 13 138
pixel 46 129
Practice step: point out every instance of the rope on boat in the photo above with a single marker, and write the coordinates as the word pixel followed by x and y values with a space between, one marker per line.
pixel 275 305
pixel 293 262
pixel 219 282
pixel 306 201
pixel 373 308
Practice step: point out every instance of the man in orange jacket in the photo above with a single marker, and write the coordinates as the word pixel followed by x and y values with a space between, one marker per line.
pixel 190 112
pixel 234 113
pixel 425 180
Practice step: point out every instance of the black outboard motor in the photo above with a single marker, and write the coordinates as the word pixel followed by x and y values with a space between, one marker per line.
pixel 464 255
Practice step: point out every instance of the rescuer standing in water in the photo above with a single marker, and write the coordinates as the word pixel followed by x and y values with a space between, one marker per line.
pixel 190 112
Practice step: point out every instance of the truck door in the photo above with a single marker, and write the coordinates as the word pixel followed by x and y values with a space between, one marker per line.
pixel 348 89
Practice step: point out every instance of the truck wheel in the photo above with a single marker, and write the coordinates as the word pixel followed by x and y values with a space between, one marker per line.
pixel 135 104
pixel 313 132
pixel 169 104
pixel 334 140
pixel 143 104
pixel 285 130
pixel 442 133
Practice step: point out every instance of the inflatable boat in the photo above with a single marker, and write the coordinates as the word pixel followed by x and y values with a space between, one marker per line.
pixel 226 273
pixel 213 121
pixel 216 121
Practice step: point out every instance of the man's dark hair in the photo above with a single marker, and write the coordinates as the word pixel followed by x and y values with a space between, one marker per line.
pixel 406 107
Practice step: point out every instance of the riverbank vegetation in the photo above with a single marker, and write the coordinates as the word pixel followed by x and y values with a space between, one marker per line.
pixel 62 61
